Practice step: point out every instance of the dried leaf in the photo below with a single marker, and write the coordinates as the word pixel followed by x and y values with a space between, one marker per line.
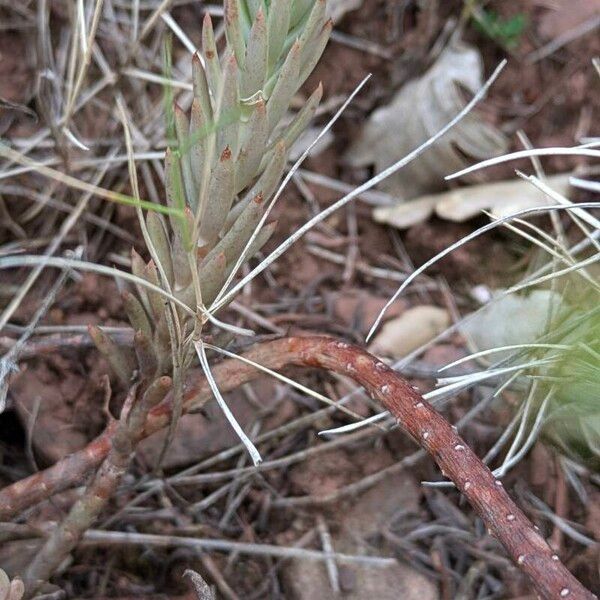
pixel 420 109
pixel 500 198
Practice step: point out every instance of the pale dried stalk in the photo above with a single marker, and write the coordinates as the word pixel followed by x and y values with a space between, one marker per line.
pixel 429 429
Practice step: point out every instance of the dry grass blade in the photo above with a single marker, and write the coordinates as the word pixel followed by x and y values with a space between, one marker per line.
pixel 254 453
pixel 80 185
pixel 356 192
pixel 468 238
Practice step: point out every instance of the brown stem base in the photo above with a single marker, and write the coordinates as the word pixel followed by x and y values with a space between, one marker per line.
pixel 430 430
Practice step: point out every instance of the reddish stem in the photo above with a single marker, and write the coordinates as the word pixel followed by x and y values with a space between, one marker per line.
pixel 431 431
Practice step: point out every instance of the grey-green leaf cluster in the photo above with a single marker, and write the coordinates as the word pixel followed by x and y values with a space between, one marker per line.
pixel 231 149
pixel 224 163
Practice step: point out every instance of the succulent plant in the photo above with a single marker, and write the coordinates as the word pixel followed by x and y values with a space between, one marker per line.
pixel 223 166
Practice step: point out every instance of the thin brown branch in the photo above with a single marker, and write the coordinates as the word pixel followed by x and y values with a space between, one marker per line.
pixel 431 431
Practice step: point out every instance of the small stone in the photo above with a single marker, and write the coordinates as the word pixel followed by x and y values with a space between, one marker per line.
pixel 419 405
pixel 425 435
pixel 467 485
pixel 555 557
pixel 385 389
pixel 459 447
pixel 564 592
pixel 521 559
pixel 510 517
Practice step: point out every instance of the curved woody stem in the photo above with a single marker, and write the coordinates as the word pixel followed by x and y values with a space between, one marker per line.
pixel 504 519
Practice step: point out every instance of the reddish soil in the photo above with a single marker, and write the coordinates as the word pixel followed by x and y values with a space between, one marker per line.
pixel 555 101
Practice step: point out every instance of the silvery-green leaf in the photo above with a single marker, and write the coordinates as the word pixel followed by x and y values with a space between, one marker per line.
pixel 234 30
pixel 136 314
pixel 271 176
pixel 211 57
pixel 235 239
pixel 182 128
pixel 212 276
pixel 253 147
pixel 278 23
pixel 198 143
pixel 317 47
pixel 174 185
pixel 254 6
pixel 300 9
pixel 228 108
pixel 313 27
pixel 220 198
pixel 254 71
pixel 158 235
pixel 201 91
pixel 285 87
pixel 302 119
pixel 235 212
